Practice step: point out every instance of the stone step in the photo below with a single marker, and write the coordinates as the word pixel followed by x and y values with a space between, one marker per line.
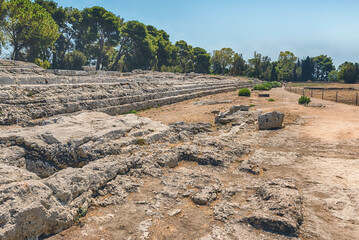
pixel 118 98
pixel 41 97
pixel 160 101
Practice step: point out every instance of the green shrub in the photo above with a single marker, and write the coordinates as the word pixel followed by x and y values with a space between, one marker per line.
pixel 74 60
pixel 81 212
pixel 38 62
pixel 244 92
pixel 262 87
pixel 268 85
pixel 275 84
pixel 271 100
pixel 44 64
pixel 252 105
pixel 304 100
pixel 32 93
pixel 131 112
pixel 272 84
pixel 175 69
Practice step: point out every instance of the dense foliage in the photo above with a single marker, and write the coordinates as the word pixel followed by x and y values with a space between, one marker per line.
pixel 349 72
pixel 69 38
pixel 29 29
pixel 244 92
pixel 265 87
pixel 304 100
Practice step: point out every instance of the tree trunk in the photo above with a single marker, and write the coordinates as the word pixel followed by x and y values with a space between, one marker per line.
pixel 54 60
pixel 16 51
pixel 118 57
pixel 99 59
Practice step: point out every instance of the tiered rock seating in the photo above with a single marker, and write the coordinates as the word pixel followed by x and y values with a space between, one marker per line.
pixel 45 93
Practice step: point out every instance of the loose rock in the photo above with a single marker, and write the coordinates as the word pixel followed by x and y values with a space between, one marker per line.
pixel 272 120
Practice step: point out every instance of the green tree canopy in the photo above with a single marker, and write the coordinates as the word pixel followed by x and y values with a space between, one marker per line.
pixel 259 67
pixel 333 76
pixel 222 60
pixel 349 72
pixel 184 56
pixel 164 47
pixel 202 60
pixel 136 48
pixel 286 66
pixel 64 43
pixel 103 29
pixel 2 16
pixel 323 65
pixel 29 28
pixel 239 65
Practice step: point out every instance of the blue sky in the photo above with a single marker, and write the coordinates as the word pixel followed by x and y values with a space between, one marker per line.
pixel 304 27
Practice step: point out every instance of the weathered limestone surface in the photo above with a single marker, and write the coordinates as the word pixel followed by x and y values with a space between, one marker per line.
pixel 276 207
pixel 73 141
pixel 238 116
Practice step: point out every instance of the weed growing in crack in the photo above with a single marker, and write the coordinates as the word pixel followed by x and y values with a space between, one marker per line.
pixel 141 141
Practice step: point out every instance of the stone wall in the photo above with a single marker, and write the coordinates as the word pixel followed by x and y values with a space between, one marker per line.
pixel 30 92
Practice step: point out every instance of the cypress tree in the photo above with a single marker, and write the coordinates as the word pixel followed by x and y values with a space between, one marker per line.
pixel 273 73
pixel 307 69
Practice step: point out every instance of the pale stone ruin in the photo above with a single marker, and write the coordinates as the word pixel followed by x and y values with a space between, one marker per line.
pixel 72 150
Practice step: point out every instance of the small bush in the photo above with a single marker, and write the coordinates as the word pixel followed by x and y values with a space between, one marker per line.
pixel 304 100
pixel 271 100
pixel 264 87
pixel 175 69
pixel 75 60
pixel 268 85
pixel 133 112
pixel 272 84
pixel 275 84
pixel 32 93
pixel 244 92
pixel 82 211
pixel 252 105
pixel 44 64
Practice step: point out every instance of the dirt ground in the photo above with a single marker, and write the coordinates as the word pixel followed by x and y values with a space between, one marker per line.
pixel 325 137
pixel 325 84
pixel 346 93
pixel 332 122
